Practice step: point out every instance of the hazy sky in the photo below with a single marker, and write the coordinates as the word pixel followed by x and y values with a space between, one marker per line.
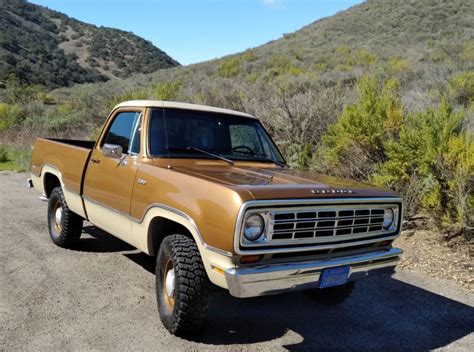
pixel 197 30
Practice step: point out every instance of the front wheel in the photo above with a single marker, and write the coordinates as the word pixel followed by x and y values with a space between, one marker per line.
pixel 181 285
pixel 65 227
pixel 332 295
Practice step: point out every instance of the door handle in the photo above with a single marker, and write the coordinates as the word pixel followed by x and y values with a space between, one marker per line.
pixel 95 161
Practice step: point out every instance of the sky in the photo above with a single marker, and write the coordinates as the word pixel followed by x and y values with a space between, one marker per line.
pixel 192 31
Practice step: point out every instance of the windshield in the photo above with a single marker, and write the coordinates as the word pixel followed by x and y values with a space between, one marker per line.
pixel 186 134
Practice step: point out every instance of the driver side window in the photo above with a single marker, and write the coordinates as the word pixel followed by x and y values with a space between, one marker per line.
pixel 125 131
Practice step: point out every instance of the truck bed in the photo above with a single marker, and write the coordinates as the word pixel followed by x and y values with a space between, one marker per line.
pixel 67 156
pixel 74 142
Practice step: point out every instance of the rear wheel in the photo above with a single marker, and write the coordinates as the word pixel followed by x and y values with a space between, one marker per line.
pixel 332 295
pixel 65 227
pixel 181 285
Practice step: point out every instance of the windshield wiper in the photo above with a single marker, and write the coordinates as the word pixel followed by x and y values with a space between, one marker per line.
pixel 263 157
pixel 188 149
pixel 282 164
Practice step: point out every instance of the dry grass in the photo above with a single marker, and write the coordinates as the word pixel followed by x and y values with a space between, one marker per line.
pixel 427 252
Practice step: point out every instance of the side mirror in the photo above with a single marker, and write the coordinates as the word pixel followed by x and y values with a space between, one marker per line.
pixel 112 151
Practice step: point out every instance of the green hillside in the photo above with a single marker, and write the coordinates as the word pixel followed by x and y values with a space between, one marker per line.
pixel 46 47
pixel 382 92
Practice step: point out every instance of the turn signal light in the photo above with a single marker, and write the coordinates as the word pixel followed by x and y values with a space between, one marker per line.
pixel 246 259
pixel 385 243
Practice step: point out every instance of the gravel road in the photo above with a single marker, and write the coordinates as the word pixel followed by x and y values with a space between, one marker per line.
pixel 100 296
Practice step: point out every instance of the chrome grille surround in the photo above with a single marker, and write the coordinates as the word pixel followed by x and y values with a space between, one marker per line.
pixel 304 225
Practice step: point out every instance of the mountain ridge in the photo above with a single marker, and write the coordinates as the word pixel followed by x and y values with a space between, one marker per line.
pixel 43 46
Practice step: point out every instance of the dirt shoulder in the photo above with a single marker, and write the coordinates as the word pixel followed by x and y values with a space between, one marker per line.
pixel 426 252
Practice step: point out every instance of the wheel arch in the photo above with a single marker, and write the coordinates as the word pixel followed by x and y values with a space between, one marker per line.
pixel 160 217
pixel 50 182
pixel 160 221
pixel 161 227
pixel 48 178
pixel 51 178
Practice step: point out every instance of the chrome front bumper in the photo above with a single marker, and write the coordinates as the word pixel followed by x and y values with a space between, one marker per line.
pixel 270 279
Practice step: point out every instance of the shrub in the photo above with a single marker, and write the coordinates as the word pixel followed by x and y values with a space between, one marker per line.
pixel 320 66
pixel 229 67
pixel 433 146
pixel 397 65
pixel 462 85
pixel 343 50
pixel 304 157
pixel 46 98
pixel 3 154
pixel 167 91
pixel 249 56
pixel 252 78
pixel 9 115
pixel 17 92
pixel 344 67
pixel 117 98
pixel 280 65
pixel 355 143
pixel 297 53
pixel 364 57
pixel 427 156
pixel 468 52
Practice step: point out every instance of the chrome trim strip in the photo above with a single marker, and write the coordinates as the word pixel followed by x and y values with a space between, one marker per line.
pixel 296 203
pixel 296 249
pixel 168 208
pixel 216 250
pixel 269 279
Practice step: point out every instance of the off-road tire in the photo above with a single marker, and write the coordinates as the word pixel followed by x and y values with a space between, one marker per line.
pixel 332 295
pixel 186 314
pixel 68 231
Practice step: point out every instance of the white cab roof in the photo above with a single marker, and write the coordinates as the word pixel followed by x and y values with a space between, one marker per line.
pixel 177 105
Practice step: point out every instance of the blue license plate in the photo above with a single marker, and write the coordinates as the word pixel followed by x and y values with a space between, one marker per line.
pixel 334 276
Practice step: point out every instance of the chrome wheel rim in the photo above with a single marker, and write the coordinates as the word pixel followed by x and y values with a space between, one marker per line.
pixel 57 217
pixel 169 285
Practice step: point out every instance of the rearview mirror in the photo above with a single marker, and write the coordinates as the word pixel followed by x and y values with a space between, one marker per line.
pixel 112 151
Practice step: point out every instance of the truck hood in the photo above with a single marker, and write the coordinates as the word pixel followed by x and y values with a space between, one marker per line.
pixel 278 183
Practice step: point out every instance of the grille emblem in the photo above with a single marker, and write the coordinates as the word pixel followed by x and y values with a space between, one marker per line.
pixel 332 191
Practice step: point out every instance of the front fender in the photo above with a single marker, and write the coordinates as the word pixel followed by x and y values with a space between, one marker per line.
pixel 216 261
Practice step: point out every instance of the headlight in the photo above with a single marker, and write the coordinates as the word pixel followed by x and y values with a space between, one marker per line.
pixel 388 218
pixel 253 227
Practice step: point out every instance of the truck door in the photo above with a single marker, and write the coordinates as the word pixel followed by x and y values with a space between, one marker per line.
pixel 109 178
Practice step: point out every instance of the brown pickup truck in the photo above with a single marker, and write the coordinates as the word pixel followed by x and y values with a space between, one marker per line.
pixel 207 192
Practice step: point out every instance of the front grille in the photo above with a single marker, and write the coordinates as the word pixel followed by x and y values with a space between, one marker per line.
pixel 325 223
pixel 319 226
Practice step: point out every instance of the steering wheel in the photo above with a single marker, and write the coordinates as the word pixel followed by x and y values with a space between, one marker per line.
pixel 247 150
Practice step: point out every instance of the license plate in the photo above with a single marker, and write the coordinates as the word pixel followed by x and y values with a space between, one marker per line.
pixel 334 276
